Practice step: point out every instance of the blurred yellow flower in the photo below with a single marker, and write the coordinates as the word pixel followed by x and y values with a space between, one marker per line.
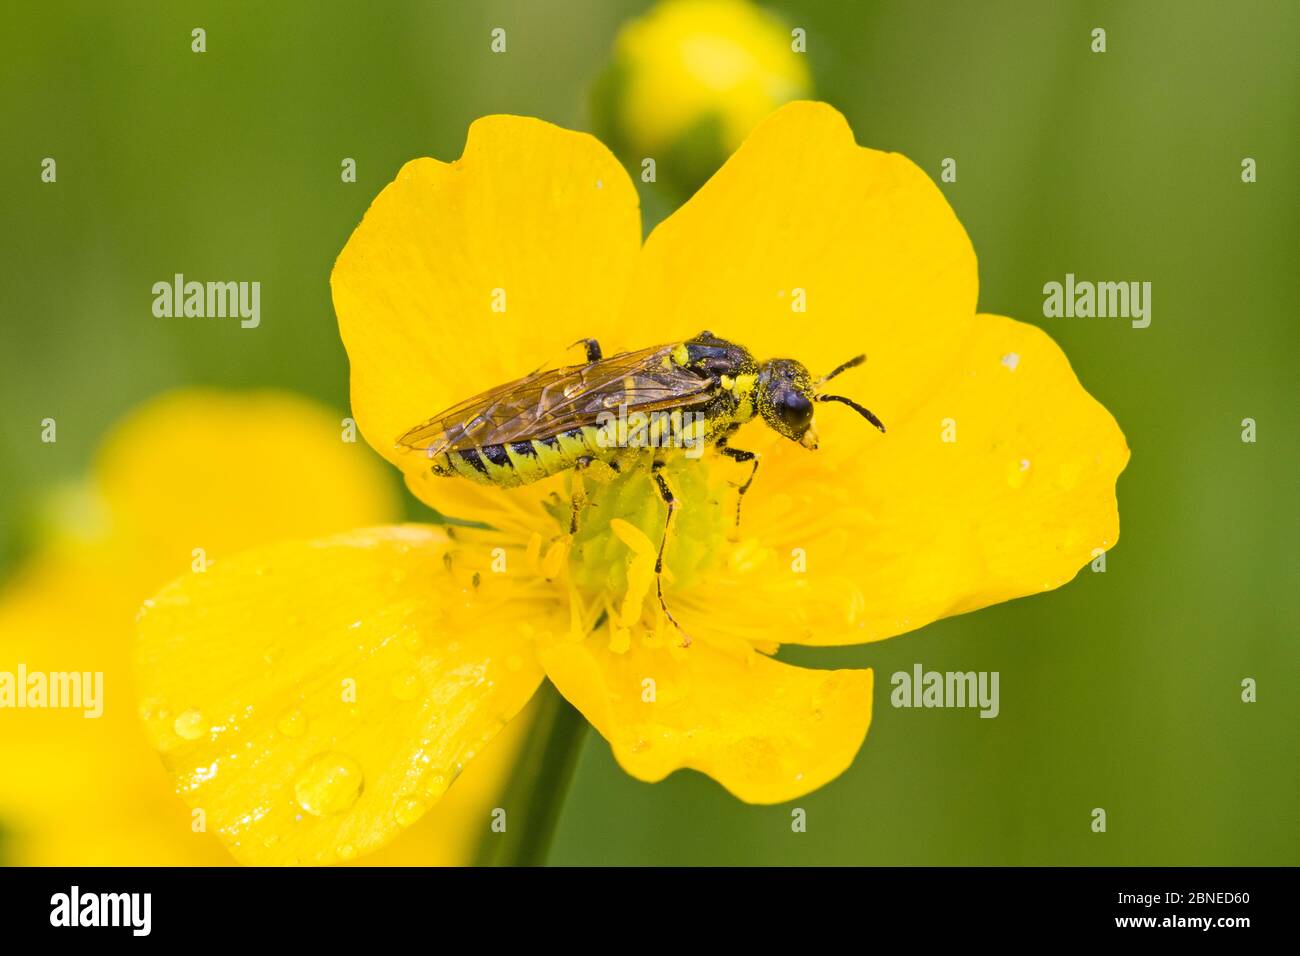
pixel 691 78
pixel 444 634
pixel 195 469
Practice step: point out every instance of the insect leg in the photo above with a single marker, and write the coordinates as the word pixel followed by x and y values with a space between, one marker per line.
pixel 594 354
pixel 667 495
pixel 579 491
pixel 593 349
pixel 736 454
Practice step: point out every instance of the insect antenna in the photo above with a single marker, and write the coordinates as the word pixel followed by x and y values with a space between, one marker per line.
pixel 844 367
pixel 855 406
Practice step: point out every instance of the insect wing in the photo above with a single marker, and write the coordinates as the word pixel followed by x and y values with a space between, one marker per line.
pixel 547 403
pixel 471 422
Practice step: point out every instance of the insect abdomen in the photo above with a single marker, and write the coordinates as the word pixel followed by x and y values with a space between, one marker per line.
pixel 519 463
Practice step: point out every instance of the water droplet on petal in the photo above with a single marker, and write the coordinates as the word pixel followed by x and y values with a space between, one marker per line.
pixel 330 784
pixel 190 725
pixel 435 787
pixel 408 810
pixel 347 852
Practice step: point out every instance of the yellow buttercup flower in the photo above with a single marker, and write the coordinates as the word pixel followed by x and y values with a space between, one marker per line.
pixel 465 275
pixel 196 469
pixel 691 78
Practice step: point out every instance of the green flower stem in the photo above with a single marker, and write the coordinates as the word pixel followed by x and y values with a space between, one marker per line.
pixel 538 785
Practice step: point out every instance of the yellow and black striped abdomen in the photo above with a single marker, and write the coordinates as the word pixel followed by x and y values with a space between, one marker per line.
pixel 511 464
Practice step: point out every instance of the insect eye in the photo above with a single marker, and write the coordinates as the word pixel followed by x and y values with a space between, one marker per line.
pixel 794 409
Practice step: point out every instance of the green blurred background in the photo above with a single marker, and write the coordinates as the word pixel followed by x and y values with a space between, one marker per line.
pixel 1121 690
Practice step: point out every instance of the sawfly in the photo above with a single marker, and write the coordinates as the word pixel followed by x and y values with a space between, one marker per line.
pixel 676 397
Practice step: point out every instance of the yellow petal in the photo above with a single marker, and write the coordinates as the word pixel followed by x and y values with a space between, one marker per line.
pixel 901 529
pixel 316 698
pixel 222 471
pixel 93 791
pixel 468 275
pixel 802 216
pixel 449 834
pixel 766 731
pixel 111 836
pixel 198 468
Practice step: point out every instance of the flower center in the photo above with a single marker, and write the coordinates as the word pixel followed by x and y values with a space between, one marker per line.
pixel 622 524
